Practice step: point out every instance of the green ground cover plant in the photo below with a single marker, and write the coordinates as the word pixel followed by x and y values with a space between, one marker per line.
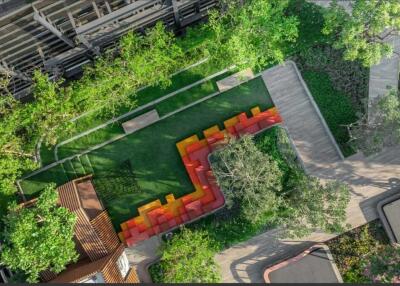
pixel 163 108
pixel 352 249
pixel 336 107
pixel 343 87
pixel 152 152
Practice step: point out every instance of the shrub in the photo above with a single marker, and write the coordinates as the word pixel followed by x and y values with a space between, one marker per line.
pixel 187 258
pixel 352 248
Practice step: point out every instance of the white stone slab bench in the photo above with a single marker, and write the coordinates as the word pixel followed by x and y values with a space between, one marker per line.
pixel 235 80
pixel 141 121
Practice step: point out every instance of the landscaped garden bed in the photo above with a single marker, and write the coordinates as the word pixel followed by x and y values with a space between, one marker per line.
pixel 151 151
pixel 353 250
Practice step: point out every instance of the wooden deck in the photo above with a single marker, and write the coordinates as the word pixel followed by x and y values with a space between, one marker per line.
pixel 307 128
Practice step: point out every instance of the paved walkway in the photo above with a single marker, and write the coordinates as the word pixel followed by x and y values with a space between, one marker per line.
pixel 371 179
pixel 307 128
pixel 142 254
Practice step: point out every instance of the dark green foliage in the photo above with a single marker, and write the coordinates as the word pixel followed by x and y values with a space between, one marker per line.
pixel 187 258
pixel 311 22
pixel 335 106
pixel 251 33
pixel 352 248
pixel 348 77
pixel 380 127
pixel 384 267
pixel 363 32
pixel 249 178
pixel 276 143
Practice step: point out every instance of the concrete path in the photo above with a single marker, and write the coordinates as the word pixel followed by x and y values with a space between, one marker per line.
pixel 142 254
pixel 371 179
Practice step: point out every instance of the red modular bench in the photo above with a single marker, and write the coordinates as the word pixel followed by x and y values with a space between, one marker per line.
pixel 201 155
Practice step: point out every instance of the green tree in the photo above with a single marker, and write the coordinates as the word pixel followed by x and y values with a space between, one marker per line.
pixel 187 258
pixel 249 178
pixel 251 34
pixel 311 205
pixel 39 237
pixel 253 182
pixel 380 127
pixel 363 33
pixel 143 60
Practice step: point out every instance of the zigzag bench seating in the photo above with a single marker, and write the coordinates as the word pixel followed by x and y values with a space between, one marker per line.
pixel 155 218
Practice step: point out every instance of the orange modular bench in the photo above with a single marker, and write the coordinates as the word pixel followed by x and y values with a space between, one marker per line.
pixel 155 218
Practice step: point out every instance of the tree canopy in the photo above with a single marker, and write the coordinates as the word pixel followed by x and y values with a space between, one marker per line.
pixel 252 182
pixel 249 178
pixel 39 237
pixel 251 33
pixel 312 205
pixel 364 32
pixel 187 258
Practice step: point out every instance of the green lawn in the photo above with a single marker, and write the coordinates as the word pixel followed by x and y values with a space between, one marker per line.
pixel 143 97
pixel 152 153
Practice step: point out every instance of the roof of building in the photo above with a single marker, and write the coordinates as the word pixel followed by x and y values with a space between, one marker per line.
pixel 315 265
pixel 389 213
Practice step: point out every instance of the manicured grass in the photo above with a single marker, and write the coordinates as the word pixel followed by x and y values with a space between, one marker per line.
pixel 336 107
pixel 142 97
pixel 163 108
pixel 152 152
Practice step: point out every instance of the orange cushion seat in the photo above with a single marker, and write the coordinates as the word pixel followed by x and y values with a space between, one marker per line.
pixel 131 223
pixel 208 196
pixel 172 223
pixel 142 227
pixel 187 199
pixel 201 155
pixel 134 231
pixel 154 214
pixel 150 231
pixel 157 229
pixel 185 217
pixel 126 233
